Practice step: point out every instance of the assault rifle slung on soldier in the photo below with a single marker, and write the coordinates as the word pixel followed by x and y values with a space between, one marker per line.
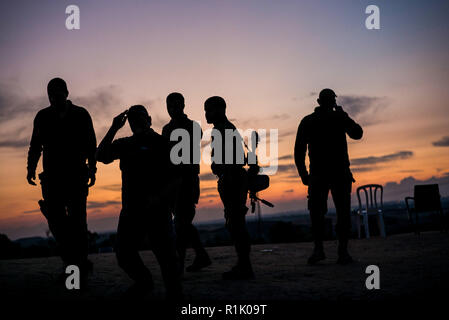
pixel 256 182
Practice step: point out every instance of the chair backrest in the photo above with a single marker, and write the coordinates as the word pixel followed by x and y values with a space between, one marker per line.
pixel 427 197
pixel 375 199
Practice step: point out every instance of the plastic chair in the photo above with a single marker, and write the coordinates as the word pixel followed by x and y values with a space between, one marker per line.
pixel 426 199
pixel 372 207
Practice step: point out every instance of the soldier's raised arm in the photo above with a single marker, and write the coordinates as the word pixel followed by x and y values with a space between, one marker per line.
pixel 352 128
pixel 105 152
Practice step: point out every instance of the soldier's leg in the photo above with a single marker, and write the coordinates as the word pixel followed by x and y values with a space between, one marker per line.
pixel 186 233
pixel 341 194
pixel 56 215
pixel 163 243
pixel 181 212
pixel 317 204
pixel 236 225
pixel 233 194
pixel 77 226
pixel 181 237
pixel 184 212
pixel 130 233
pixel 193 233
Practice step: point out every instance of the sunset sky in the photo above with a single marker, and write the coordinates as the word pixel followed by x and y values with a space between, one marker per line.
pixel 268 59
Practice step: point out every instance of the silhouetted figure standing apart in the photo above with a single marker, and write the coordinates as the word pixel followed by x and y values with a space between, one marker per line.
pixel 324 133
pixel 188 191
pixel 145 165
pixel 232 185
pixel 65 135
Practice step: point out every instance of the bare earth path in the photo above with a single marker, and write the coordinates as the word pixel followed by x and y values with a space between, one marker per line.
pixel 411 266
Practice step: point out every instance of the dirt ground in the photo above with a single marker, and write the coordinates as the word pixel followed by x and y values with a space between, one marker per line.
pixel 411 266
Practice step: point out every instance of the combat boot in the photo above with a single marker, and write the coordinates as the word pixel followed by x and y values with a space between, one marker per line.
pixel 343 255
pixel 202 260
pixel 242 271
pixel 317 255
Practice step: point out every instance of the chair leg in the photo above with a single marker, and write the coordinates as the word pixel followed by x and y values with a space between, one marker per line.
pixel 446 221
pixel 365 222
pixel 380 220
pixel 443 227
pixel 416 223
pixel 358 226
pixel 410 219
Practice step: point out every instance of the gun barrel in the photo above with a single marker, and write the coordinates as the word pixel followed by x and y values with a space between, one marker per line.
pixel 265 202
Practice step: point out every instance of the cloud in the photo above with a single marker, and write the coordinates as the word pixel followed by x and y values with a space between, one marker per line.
pixel 394 191
pixel 208 176
pixel 16 110
pixel 111 187
pixel 209 196
pixel 282 134
pixel 285 157
pixel 371 163
pixel 286 168
pixel 443 142
pixel 14 105
pixel 280 117
pixel 400 155
pixel 101 100
pixel 14 135
pixel 259 122
pixel 14 143
pixel 31 211
pixel 102 204
pixel 205 143
pixel 364 109
pixel 359 164
pixel 364 169
pixel 208 189
pixel 288 133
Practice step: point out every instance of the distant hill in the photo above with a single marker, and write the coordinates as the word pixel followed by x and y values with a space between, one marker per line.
pixel 32 241
pixel 284 227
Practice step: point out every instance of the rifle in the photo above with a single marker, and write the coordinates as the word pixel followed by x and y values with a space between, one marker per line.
pixel 256 182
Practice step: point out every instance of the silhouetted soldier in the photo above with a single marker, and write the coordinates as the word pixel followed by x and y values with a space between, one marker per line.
pixel 145 165
pixel 232 186
pixel 189 189
pixel 324 133
pixel 65 135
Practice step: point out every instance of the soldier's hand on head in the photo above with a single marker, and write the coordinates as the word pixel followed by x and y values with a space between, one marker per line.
pixel 119 121
pixel 31 175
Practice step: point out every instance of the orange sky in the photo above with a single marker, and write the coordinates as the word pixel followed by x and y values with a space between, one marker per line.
pixel 268 61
